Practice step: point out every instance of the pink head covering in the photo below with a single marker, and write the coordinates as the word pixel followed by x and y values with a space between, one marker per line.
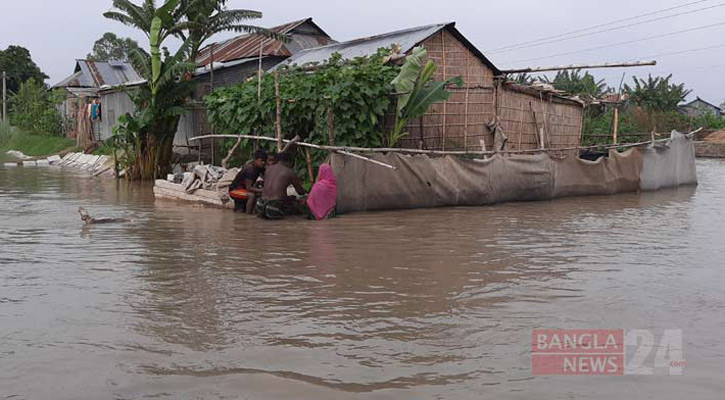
pixel 323 196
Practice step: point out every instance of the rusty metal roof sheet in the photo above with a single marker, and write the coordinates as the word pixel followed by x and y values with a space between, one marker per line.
pixel 247 46
pixel 406 38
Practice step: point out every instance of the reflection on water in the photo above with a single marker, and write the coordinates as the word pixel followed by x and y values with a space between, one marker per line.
pixel 192 302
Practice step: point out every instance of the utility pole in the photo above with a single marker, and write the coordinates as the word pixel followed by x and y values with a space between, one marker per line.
pixel 5 96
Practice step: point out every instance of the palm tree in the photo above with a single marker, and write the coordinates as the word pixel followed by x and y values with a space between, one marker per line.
pixel 656 94
pixel 578 84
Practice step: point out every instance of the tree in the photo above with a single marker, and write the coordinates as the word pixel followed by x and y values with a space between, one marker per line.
pixel 575 83
pixel 17 62
pixel 209 17
pixel 656 94
pixel 111 47
pixel 147 136
pixel 34 109
pixel 524 79
pixel 418 89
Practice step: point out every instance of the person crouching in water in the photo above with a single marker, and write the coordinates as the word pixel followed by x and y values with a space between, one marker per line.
pixel 243 189
pixel 323 195
pixel 275 203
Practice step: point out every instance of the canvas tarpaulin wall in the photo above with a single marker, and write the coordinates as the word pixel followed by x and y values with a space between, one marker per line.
pixel 421 181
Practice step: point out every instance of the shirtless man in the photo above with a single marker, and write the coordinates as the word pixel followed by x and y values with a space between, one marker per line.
pixel 275 202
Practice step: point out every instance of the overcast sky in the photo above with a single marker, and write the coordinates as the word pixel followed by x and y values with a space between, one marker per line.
pixel 59 31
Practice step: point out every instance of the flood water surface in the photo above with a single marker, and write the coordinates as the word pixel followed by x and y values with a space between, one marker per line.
pixel 186 302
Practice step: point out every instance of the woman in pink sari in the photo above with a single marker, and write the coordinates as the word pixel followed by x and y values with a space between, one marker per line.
pixel 323 196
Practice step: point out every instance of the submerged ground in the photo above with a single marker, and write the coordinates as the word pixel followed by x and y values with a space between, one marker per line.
pixel 189 302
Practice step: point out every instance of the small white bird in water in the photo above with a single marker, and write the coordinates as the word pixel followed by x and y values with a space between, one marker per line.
pixel 88 220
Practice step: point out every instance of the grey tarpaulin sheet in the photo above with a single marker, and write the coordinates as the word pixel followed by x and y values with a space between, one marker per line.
pixel 422 181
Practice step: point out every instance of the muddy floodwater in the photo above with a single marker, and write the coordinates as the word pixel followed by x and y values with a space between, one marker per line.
pixel 187 302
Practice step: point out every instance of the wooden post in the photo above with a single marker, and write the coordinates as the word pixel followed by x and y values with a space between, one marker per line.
pixel 259 69
pixel 331 124
pixel 468 87
pixel 616 125
pixel 279 111
pixel 211 63
pixel 5 97
pixel 521 125
pixel 443 49
pixel 310 173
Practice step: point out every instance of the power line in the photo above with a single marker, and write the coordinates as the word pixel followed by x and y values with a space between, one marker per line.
pixel 609 29
pixel 620 43
pixel 599 26
pixel 680 52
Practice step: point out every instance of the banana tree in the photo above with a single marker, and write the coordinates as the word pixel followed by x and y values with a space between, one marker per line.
pixel 417 91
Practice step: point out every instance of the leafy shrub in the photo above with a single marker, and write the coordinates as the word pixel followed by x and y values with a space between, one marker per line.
pixel 35 109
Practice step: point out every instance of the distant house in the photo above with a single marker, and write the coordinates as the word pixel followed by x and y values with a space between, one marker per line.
pixel 528 116
pixel 699 107
pixel 84 86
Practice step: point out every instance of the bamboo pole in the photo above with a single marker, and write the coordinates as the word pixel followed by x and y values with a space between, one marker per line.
pixel 347 150
pixel 336 149
pixel 331 124
pixel 259 69
pixel 310 172
pixel 5 97
pixel 583 66
pixel 211 64
pixel 616 124
pixel 465 121
pixel 443 49
pixel 278 123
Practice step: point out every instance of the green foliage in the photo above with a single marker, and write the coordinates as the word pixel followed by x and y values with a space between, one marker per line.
pixel 34 109
pixel 145 139
pixel 417 91
pixel 575 83
pixel 205 18
pixel 632 120
pixel 524 79
pixel 6 131
pixel 111 47
pixel 32 145
pixel 19 67
pixel 358 92
pixel 709 122
pixel 656 94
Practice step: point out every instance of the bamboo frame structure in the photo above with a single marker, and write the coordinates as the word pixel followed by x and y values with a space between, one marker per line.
pixel 347 150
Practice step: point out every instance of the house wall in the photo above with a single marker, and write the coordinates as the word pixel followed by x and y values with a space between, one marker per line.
pixel 522 115
pixel 113 105
pixel 461 123
pixel 699 108
pixel 194 122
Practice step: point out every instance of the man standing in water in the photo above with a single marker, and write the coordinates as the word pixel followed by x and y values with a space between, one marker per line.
pixel 275 203
pixel 243 189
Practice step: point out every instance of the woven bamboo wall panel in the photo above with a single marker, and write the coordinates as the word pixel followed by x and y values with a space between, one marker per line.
pixel 461 123
pixel 523 115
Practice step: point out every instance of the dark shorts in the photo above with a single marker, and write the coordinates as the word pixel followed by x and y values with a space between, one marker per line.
pixel 276 209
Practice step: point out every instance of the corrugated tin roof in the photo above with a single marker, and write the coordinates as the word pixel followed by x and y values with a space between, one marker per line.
pixel 247 46
pixel 94 74
pixel 406 38
pixel 77 80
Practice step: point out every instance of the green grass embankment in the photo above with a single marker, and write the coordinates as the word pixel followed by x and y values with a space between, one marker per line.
pixel 32 145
